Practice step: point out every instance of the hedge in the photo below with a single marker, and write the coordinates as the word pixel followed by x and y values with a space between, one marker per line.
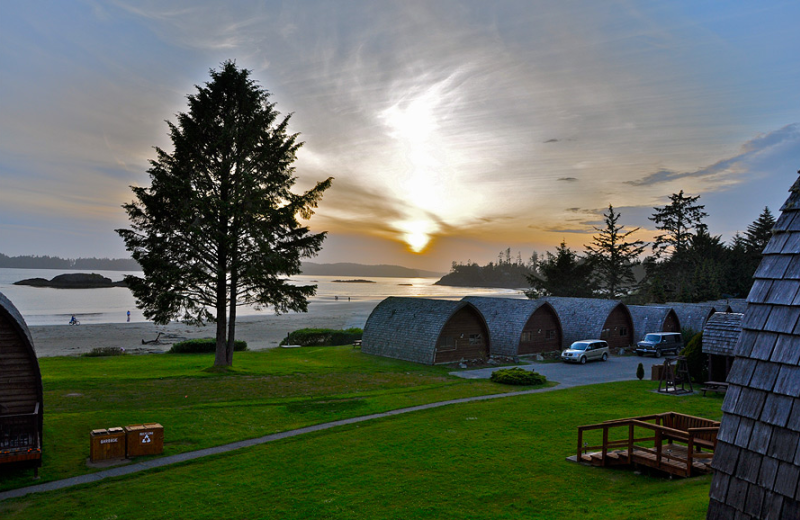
pixel 322 337
pixel 203 346
pixel 517 376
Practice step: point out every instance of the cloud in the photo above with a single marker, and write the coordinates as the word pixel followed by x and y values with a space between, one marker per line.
pixel 551 141
pixel 730 169
pixel 568 179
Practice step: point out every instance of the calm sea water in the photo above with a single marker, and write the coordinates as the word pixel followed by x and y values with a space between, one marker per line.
pixel 43 306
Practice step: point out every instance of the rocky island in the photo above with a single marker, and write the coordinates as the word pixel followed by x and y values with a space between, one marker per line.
pixel 73 281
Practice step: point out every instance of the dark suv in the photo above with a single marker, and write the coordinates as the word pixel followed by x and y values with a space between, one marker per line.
pixel 659 343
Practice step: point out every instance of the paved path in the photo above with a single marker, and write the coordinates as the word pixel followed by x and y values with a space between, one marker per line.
pixel 615 369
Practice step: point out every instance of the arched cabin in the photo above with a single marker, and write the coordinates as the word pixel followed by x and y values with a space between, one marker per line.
pixel 648 318
pixel 694 316
pixel 21 392
pixel 519 327
pixel 426 331
pixel 593 318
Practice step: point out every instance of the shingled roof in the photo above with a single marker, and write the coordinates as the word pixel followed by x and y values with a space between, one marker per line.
pixel 757 460
pixel 506 317
pixel 694 315
pixel 582 318
pixel 648 318
pixel 731 305
pixel 408 328
pixel 721 333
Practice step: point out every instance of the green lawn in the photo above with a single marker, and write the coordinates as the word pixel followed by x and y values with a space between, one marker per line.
pixel 267 392
pixel 495 459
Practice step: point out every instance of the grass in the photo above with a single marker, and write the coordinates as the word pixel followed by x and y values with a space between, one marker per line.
pixel 265 392
pixel 494 459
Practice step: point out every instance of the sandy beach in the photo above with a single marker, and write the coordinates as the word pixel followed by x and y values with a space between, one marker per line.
pixel 260 332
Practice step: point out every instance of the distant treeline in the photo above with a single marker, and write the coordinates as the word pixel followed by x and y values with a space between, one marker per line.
pixel 54 262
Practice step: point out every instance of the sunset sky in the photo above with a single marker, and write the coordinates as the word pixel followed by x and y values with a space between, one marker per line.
pixel 453 129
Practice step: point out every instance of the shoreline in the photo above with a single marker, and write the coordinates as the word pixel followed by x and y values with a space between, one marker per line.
pixel 261 332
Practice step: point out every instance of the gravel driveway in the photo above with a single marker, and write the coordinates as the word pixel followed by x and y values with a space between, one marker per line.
pixel 617 368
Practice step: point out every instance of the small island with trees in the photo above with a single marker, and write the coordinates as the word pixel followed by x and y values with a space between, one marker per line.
pixel 73 281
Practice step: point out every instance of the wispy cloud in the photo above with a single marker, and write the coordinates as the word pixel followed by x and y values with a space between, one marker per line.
pixel 731 169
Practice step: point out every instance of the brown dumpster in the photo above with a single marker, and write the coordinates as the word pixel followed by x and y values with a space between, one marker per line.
pixel 144 439
pixel 107 444
pixel 655 372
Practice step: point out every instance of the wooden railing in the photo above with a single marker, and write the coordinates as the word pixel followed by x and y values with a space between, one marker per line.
pixel 19 431
pixel 696 432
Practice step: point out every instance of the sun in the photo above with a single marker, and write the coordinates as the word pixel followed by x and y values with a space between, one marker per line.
pixel 416 234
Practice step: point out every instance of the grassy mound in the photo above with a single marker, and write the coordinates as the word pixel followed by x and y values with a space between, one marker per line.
pixel 322 337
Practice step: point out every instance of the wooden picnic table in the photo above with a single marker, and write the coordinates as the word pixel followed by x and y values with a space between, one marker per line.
pixel 714 386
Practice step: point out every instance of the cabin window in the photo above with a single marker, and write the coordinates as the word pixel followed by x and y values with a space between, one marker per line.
pixel 527 336
pixel 475 339
pixel 623 331
pixel 447 343
pixel 551 334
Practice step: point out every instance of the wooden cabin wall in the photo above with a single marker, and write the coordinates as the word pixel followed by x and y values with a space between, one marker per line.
pixel 18 378
pixel 464 336
pixel 618 328
pixel 671 323
pixel 542 333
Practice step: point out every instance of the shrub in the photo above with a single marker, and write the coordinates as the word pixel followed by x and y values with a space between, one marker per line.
pixel 322 337
pixel 104 351
pixel 640 371
pixel 203 346
pixel 695 359
pixel 517 376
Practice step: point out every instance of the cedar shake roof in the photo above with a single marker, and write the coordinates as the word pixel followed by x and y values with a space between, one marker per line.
pixel 649 318
pixel 694 315
pixel 721 333
pixel 732 304
pixel 582 318
pixel 757 460
pixel 506 317
pixel 408 328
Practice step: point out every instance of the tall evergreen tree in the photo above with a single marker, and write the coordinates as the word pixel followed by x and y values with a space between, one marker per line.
pixel 759 232
pixel 613 255
pixel 218 227
pixel 676 220
pixel 562 274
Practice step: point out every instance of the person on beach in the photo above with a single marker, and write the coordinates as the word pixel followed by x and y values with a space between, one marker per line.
pixel 129 316
pixel 73 320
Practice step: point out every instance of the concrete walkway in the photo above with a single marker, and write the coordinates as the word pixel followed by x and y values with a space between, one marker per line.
pixel 615 369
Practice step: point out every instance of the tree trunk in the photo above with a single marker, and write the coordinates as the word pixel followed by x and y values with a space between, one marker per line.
pixel 231 321
pixel 221 357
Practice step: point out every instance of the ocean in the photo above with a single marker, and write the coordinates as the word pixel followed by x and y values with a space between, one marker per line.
pixel 44 306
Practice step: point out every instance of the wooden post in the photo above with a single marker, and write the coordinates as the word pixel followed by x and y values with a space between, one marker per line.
pixel 580 443
pixel 630 443
pixel 689 454
pixel 605 443
pixel 658 448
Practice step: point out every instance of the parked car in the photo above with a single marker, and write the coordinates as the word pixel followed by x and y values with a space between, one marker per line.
pixel 586 350
pixel 660 343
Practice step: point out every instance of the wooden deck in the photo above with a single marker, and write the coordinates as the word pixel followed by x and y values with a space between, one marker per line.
pixel 668 442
